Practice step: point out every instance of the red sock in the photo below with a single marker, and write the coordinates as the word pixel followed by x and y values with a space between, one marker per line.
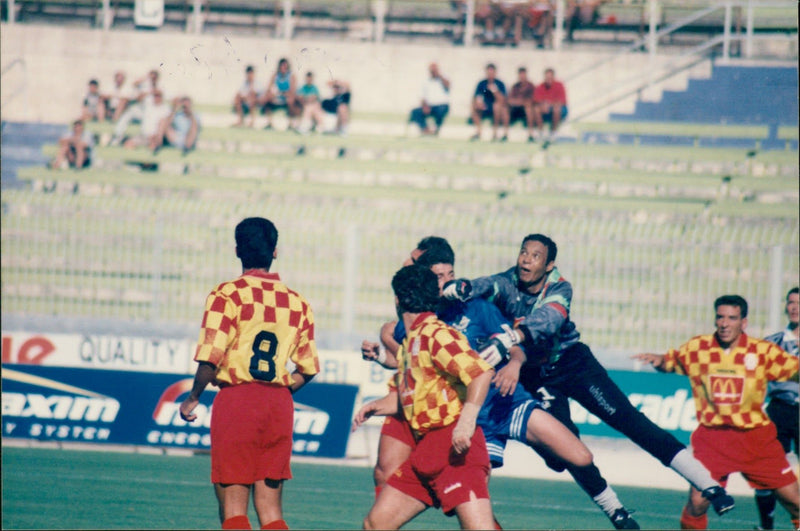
pixel 693 522
pixel 795 523
pixel 378 491
pixel 236 522
pixel 497 524
pixel 276 524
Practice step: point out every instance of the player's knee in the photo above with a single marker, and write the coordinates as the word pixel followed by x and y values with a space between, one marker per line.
pixel 584 457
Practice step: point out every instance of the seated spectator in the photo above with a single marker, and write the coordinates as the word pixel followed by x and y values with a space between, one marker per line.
pixel 490 103
pixel 246 99
pixel 119 98
pixel 134 112
pixel 581 13
pixel 281 93
pixel 93 107
pixel 434 102
pixel 339 104
pixel 154 112
pixel 74 148
pixel 520 102
pixel 550 104
pixel 179 129
pixel 513 15
pixel 540 20
pixel 313 115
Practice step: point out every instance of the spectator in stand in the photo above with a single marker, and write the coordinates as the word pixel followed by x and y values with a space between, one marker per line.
pixel 309 97
pixel 550 105
pixel 154 112
pixel 74 148
pixel 179 129
pixel 520 102
pixel 581 13
pixel 490 103
pixel 246 99
pixel 339 104
pixel 541 21
pixel 145 87
pixel 93 106
pixel 118 99
pixel 513 15
pixel 434 102
pixel 281 93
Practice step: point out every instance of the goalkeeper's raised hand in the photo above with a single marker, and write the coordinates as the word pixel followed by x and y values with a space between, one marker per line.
pixel 458 289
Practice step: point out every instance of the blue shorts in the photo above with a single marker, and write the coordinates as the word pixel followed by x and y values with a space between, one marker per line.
pixel 548 116
pixel 505 417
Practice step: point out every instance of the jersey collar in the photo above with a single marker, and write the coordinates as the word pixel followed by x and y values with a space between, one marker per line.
pixel 261 274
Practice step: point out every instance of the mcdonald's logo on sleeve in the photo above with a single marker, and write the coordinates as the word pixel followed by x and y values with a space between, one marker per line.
pixel 726 389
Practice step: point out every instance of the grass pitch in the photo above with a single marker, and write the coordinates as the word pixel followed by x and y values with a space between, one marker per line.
pixel 65 489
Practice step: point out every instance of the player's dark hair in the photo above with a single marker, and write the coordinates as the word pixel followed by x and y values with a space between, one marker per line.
pixel 552 249
pixel 416 288
pixel 94 82
pixel 440 244
pixel 256 239
pixel 732 300
pixel 249 68
pixel 491 65
pixel 791 291
pixel 436 255
pixel 522 69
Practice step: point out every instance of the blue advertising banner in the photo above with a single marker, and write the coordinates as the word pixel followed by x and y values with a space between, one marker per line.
pixel 666 399
pixel 141 408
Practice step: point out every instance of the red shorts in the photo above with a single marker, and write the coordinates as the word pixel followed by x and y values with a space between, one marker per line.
pixel 755 453
pixel 251 434
pixel 397 427
pixel 437 476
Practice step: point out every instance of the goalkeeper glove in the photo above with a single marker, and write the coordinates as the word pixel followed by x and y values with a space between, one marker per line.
pixel 494 352
pixel 458 289
pixel 465 427
pixel 509 337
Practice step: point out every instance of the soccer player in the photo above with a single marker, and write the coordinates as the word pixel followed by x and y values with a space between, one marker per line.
pixel 728 372
pixel 440 386
pixel 560 366
pixel 782 409
pixel 509 412
pixel 396 440
pixel 252 328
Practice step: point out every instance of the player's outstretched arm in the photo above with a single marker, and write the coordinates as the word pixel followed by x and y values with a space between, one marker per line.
pixel 382 406
pixel 206 372
pixel 656 360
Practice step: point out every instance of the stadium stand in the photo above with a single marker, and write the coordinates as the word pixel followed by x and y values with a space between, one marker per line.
pixel 21 145
pixel 640 225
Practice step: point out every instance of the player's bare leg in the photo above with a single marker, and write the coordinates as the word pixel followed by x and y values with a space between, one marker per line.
pixel 267 498
pixel 544 429
pixel 476 514
pixel 391 454
pixel 789 496
pixel 236 498
pixel 392 509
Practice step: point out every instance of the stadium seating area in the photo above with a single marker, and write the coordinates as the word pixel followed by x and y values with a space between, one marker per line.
pixel 726 110
pixel 648 234
pixel 442 20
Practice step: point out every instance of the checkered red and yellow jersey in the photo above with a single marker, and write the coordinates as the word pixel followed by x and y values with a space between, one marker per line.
pixel 253 326
pixel 435 365
pixel 729 388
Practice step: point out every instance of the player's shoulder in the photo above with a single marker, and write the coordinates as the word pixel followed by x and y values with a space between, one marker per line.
pixel 775 338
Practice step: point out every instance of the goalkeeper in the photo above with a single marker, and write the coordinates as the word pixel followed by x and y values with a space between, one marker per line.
pixel 536 293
